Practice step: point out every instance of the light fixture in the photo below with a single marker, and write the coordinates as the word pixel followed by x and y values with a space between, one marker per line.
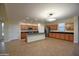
pixel 39 24
pixel 50 14
pixel 51 19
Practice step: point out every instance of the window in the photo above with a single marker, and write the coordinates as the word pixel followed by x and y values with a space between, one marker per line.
pixel 61 27
pixel 2 29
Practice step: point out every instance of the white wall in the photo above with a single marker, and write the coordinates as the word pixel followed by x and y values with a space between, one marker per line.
pixel 76 29
pixel 41 28
pixel 13 30
pixel 3 15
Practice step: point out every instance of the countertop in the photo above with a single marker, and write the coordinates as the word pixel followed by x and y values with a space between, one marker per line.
pixel 28 30
pixel 35 33
pixel 66 32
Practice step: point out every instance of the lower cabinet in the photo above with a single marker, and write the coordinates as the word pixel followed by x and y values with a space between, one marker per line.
pixel 64 36
pixel 24 36
pixel 71 37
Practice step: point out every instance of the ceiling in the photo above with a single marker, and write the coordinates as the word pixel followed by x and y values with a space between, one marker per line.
pixel 39 12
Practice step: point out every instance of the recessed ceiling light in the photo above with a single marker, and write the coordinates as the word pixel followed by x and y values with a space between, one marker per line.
pixel 51 20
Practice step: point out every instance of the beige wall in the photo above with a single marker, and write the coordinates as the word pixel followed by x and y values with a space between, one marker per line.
pixel 13 30
pixel 3 15
pixel 9 25
pixel 76 29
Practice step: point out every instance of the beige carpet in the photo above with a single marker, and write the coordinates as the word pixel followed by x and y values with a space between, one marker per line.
pixel 47 47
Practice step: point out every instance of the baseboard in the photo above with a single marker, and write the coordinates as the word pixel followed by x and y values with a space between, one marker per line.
pixel 9 40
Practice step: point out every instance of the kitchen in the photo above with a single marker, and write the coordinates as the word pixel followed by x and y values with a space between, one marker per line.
pixel 64 31
pixel 41 28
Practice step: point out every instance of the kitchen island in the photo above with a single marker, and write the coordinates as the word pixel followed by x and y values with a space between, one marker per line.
pixel 31 37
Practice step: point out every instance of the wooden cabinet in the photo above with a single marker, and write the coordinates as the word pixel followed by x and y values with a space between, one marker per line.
pixel 64 36
pixel 54 35
pixel 53 26
pixel 50 35
pixel 24 36
pixel 24 27
pixel 69 26
pixel 58 35
pixel 71 38
pixel 35 27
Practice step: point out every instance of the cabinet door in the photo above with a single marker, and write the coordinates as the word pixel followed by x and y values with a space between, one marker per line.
pixel 24 27
pixel 57 35
pixel 53 27
pixel 61 36
pixel 67 37
pixel 71 37
pixel 54 35
pixel 50 34
pixel 24 36
pixel 34 27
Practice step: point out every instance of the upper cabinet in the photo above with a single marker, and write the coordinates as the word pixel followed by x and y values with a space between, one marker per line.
pixel 53 26
pixel 26 27
pixel 69 26
pixel 35 27
pixel 63 26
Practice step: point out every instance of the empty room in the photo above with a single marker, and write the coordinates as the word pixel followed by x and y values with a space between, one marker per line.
pixel 39 29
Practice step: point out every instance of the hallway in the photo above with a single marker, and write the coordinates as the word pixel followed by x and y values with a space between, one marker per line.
pixel 47 47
